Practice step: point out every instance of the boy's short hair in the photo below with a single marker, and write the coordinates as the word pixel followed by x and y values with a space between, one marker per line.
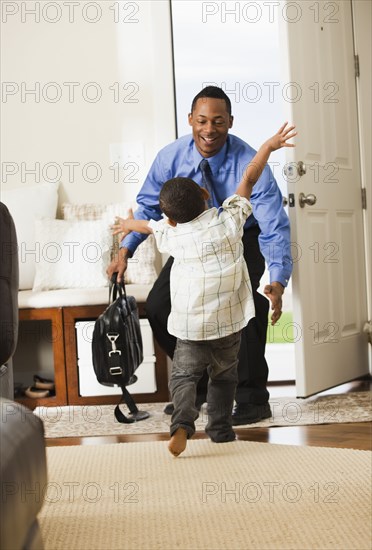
pixel 181 199
pixel 213 92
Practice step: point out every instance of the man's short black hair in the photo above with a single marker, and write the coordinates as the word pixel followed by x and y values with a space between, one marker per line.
pixel 181 200
pixel 214 92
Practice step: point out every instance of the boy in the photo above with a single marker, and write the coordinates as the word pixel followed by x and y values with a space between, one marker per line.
pixel 210 292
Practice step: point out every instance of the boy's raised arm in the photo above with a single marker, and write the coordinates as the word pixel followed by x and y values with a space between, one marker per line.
pixel 256 166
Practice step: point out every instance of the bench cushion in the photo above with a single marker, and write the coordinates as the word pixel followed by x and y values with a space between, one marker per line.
pixel 76 296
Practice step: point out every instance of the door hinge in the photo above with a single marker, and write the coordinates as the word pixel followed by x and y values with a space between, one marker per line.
pixel 356 65
pixel 368 330
pixel 364 198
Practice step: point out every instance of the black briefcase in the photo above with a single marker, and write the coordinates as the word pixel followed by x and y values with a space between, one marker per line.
pixel 117 347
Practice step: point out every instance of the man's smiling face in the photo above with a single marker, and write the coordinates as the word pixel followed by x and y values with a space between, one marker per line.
pixel 210 123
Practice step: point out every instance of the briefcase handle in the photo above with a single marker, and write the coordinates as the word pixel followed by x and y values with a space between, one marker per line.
pixel 116 288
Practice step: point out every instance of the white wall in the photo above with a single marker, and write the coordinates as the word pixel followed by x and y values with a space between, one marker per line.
pixel 132 45
pixel 127 48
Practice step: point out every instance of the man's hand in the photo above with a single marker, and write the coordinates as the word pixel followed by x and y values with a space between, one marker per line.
pixel 119 264
pixel 274 292
pixel 281 137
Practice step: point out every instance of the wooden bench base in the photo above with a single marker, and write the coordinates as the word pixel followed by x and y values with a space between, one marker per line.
pixel 64 344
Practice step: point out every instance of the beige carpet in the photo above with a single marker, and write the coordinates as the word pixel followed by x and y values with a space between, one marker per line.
pixel 287 411
pixel 238 495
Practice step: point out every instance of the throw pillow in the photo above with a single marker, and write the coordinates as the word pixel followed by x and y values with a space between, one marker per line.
pixel 26 204
pixel 71 254
pixel 141 268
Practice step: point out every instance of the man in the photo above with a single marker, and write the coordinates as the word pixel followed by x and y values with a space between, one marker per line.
pixel 266 237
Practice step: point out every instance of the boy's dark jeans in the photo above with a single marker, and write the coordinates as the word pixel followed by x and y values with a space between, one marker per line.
pixel 220 359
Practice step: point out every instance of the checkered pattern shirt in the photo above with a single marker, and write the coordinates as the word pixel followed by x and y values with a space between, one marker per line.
pixel 211 293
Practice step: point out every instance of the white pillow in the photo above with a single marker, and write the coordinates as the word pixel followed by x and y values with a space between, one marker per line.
pixel 71 254
pixel 89 211
pixel 25 205
pixel 94 211
pixel 141 268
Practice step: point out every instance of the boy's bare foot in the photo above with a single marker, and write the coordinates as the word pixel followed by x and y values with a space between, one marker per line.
pixel 178 441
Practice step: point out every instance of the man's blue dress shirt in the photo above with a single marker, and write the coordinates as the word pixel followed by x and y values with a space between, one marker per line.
pixel 181 158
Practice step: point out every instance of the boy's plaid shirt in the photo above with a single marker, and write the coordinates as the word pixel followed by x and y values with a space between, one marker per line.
pixel 210 288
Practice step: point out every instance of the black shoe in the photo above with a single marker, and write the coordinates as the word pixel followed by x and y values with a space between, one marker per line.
pixel 246 413
pixel 169 409
pixel 224 438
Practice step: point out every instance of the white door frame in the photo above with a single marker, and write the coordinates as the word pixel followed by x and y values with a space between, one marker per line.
pixel 362 22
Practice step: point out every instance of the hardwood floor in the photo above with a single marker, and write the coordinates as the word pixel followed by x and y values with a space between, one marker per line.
pixel 356 435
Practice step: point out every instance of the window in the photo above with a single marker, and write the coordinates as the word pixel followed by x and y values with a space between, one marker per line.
pixel 235 46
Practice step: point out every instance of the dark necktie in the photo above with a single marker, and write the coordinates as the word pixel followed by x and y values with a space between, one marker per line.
pixel 207 180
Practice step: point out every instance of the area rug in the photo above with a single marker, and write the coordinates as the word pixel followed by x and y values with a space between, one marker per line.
pixel 99 420
pixel 239 495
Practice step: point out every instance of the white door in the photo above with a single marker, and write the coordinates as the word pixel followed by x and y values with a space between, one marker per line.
pixel 329 284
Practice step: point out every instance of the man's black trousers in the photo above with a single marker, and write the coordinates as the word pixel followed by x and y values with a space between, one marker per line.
pixel 252 368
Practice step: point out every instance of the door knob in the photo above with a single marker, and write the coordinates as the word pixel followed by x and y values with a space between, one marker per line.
pixel 285 201
pixel 303 199
pixel 301 168
pixel 291 168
